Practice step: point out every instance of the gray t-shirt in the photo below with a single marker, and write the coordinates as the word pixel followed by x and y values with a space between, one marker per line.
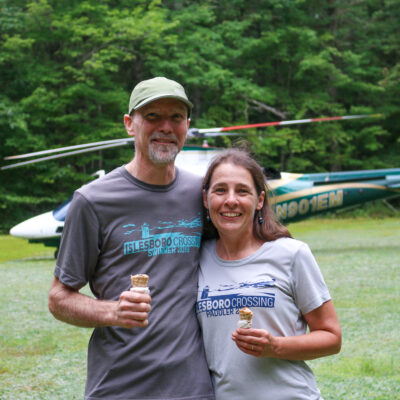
pixel 280 282
pixel 117 226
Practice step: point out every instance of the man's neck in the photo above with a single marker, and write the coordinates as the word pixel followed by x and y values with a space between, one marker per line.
pixel 151 173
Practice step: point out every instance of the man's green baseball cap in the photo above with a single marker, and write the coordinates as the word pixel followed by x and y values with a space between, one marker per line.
pixel 157 88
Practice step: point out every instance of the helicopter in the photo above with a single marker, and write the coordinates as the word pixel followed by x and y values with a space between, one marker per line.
pixel 293 196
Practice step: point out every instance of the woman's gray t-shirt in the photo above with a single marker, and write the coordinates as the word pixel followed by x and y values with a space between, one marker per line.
pixel 280 283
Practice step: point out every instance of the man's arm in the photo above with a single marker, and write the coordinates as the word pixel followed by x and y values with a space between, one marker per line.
pixel 71 306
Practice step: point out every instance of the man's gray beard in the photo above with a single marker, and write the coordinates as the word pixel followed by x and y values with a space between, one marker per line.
pixel 163 157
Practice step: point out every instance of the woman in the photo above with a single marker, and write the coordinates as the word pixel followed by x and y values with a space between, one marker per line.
pixel 253 262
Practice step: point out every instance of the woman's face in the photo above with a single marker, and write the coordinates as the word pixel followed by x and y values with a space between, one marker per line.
pixel 232 200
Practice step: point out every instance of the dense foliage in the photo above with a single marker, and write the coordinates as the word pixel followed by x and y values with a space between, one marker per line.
pixel 67 68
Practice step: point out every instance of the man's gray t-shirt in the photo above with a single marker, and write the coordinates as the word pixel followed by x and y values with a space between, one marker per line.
pixel 280 283
pixel 118 226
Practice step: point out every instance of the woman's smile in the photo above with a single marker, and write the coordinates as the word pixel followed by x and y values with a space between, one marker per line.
pixel 232 199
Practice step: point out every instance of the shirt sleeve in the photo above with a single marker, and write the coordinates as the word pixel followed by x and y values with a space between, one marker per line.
pixel 310 290
pixel 80 244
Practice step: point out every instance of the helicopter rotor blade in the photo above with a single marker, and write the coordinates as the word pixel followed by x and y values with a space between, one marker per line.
pixel 293 122
pixel 197 133
pixel 216 134
pixel 192 133
pixel 61 149
pixel 67 154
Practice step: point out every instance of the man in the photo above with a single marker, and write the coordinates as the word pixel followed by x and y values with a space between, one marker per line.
pixel 144 217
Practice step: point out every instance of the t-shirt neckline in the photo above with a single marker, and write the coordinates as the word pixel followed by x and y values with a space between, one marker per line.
pixel 149 186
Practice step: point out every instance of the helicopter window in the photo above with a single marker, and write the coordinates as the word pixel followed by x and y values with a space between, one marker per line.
pixel 271 173
pixel 60 212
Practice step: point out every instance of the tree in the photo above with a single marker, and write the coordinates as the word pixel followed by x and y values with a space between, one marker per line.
pixel 67 68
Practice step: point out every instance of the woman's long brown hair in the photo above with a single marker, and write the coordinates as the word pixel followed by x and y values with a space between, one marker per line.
pixel 270 229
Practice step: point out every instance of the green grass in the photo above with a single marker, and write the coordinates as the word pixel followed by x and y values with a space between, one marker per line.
pixel 41 358
pixel 360 260
pixel 12 248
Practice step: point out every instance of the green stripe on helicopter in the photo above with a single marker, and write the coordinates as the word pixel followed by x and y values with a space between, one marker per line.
pixel 315 200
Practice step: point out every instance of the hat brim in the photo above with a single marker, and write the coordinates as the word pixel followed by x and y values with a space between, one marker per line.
pixel 162 96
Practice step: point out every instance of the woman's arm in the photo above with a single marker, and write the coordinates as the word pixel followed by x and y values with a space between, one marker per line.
pixel 324 338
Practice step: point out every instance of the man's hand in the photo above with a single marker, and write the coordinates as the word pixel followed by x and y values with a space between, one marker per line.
pixel 69 305
pixel 132 310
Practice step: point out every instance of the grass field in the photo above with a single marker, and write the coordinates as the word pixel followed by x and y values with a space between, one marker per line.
pixel 41 358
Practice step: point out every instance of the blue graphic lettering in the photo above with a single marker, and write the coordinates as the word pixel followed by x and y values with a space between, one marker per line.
pixel 166 242
pixel 214 303
pixel 245 285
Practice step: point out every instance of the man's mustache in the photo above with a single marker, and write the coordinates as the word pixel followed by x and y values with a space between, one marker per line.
pixel 170 138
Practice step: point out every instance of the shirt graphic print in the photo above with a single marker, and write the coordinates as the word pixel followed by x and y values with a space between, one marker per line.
pixel 228 299
pixel 167 237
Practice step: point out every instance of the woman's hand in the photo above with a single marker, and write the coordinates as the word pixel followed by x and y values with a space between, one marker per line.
pixel 256 342
pixel 323 339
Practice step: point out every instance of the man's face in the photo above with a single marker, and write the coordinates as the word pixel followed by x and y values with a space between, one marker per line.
pixel 160 129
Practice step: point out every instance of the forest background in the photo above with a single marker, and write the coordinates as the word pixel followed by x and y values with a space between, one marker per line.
pixel 67 68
